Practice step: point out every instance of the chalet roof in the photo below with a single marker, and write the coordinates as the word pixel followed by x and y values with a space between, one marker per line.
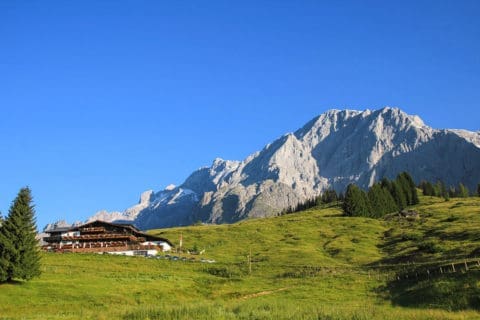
pixel 58 229
pixel 105 223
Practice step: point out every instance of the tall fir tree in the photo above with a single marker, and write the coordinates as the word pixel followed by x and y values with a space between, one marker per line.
pixel 452 192
pixel 7 252
pixel 386 184
pixel 398 195
pixel 437 188
pixel 428 189
pixel 391 205
pixel 412 188
pixel 377 200
pixel 19 255
pixel 463 191
pixel 403 183
pixel 329 196
pixel 356 202
pixel 380 196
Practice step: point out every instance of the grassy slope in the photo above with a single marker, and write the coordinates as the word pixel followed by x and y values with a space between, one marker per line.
pixel 314 264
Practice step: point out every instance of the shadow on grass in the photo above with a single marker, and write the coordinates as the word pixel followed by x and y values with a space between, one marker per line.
pixel 453 292
pixel 12 282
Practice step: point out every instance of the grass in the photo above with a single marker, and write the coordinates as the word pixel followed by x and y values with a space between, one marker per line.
pixel 315 264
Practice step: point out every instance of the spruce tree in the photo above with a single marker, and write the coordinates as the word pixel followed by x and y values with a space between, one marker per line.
pixel 437 188
pixel 381 201
pixel 403 183
pixel 329 196
pixel 452 192
pixel 377 201
pixel 478 190
pixel 423 185
pixel 398 195
pixel 390 204
pixel 3 258
pixel 350 200
pixel 386 184
pixel 428 189
pixel 19 256
pixel 409 188
pixel 412 188
pixel 356 202
pixel 463 191
pixel 7 253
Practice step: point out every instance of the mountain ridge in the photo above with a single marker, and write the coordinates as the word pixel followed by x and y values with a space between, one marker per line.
pixel 332 150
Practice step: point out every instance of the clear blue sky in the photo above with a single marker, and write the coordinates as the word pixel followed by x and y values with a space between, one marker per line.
pixel 101 100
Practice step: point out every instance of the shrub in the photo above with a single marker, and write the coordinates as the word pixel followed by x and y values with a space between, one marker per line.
pixel 429 247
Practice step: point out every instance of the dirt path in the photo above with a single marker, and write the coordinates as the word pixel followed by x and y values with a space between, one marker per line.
pixel 261 293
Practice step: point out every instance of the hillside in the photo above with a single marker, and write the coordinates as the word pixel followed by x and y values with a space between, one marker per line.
pixel 332 150
pixel 315 264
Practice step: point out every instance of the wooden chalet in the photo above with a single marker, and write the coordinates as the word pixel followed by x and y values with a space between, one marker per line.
pixel 100 236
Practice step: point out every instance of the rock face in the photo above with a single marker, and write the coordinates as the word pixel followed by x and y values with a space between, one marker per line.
pixel 128 215
pixel 332 150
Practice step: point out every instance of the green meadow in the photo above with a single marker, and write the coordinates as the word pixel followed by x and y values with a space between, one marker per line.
pixel 315 264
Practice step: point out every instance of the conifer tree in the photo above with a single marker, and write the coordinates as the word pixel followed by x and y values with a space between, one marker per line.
pixel 390 204
pixel 437 188
pixel 409 189
pixel 386 184
pixel 329 196
pixel 377 201
pixel 19 256
pixel 381 201
pixel 428 189
pixel 412 188
pixel 356 202
pixel 478 190
pixel 440 189
pixel 403 184
pixel 463 191
pixel 423 185
pixel 398 195
pixel 452 192
pixel 6 251
pixel 351 200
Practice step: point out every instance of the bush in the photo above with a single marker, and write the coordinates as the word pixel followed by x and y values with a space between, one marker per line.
pixel 412 236
pixel 429 247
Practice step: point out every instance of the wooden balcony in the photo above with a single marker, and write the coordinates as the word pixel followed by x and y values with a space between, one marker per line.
pixel 101 237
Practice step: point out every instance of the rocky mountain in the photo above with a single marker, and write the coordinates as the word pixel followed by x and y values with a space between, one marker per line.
pixel 128 215
pixel 331 151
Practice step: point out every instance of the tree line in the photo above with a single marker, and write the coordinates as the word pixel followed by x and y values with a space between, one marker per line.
pixel 19 252
pixel 440 190
pixel 383 197
pixel 329 196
